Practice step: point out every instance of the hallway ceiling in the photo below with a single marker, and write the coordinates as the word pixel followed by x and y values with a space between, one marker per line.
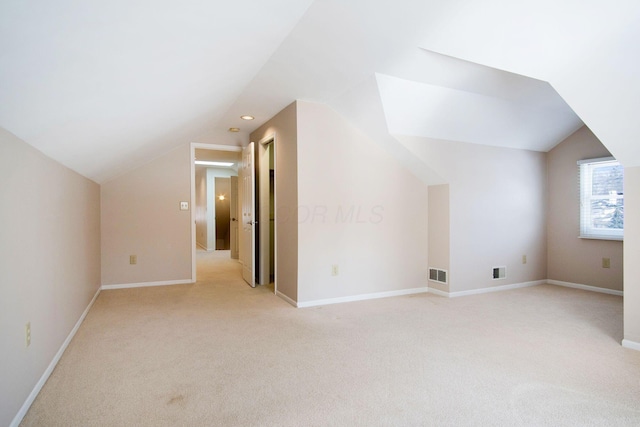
pixel 104 86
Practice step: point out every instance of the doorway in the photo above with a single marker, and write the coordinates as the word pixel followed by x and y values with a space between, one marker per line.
pixel 222 217
pixel 265 202
pixel 214 171
pixel 266 199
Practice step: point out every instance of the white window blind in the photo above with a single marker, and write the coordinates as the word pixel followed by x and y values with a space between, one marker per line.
pixel 601 199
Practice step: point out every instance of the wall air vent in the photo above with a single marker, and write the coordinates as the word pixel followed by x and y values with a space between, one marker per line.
pixel 437 275
pixel 499 272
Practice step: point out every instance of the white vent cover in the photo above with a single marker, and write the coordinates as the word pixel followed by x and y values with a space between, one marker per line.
pixel 437 275
pixel 499 272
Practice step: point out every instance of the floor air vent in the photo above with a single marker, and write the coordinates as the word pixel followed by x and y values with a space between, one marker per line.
pixel 437 275
pixel 499 272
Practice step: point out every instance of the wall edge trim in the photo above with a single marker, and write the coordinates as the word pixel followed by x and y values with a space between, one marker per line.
pixel 286 299
pixel 631 345
pixel 147 284
pixel 54 362
pixel 585 287
pixel 497 288
pixel 438 292
pixel 362 297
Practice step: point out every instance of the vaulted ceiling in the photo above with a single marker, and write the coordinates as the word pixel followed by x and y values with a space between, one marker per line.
pixel 104 86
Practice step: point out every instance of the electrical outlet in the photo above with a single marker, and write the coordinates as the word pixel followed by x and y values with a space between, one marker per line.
pixel 524 259
pixel 184 206
pixel 27 331
pixel 334 270
pixel 133 259
pixel 606 262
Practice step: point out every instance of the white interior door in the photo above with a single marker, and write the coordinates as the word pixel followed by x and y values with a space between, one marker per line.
pixel 233 205
pixel 248 197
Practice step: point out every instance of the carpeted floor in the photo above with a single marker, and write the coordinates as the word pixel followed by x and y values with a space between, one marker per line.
pixel 219 353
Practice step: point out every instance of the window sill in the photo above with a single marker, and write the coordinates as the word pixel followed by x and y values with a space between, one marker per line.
pixel 591 237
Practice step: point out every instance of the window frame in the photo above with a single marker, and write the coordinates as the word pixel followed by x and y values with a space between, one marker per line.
pixel 585 175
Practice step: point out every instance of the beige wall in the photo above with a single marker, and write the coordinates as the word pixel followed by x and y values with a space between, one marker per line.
pixel 497 202
pixel 284 126
pixel 49 259
pixel 358 209
pixel 632 255
pixel 141 216
pixel 571 259
pixel 439 238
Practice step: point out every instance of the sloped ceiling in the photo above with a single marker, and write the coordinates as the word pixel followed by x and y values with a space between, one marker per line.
pixel 103 86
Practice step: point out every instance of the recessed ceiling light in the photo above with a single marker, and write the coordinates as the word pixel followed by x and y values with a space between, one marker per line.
pixel 206 163
pixel 234 129
pixel 247 117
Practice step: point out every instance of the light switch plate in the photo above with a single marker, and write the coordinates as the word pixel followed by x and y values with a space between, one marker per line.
pixel 184 206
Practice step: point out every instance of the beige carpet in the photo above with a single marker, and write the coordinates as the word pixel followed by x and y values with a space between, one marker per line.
pixel 219 353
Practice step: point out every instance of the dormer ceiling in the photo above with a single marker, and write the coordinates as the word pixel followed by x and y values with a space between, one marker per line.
pixel 104 86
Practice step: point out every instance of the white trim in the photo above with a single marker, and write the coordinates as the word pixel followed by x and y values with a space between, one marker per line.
pixel 631 344
pixel 438 292
pixel 47 373
pixel 586 287
pixel 216 147
pixel 147 284
pixel 596 237
pixel 362 297
pixel 497 288
pixel 286 298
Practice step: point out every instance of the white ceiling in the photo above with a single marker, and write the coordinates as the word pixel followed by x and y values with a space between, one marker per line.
pixel 103 86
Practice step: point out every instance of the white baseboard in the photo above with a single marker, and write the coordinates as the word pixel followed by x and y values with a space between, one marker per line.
pixel 438 292
pixel 361 297
pixel 47 373
pixel 146 284
pixel 286 298
pixel 586 287
pixel 487 290
pixel 631 344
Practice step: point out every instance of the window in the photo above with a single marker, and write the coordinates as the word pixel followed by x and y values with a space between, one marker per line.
pixel 601 199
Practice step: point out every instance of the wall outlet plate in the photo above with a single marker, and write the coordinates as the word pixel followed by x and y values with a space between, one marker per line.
pixel 184 206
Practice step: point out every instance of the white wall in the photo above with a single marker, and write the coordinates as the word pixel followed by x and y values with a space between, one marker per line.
pixel 358 209
pixel 49 259
pixel 497 202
